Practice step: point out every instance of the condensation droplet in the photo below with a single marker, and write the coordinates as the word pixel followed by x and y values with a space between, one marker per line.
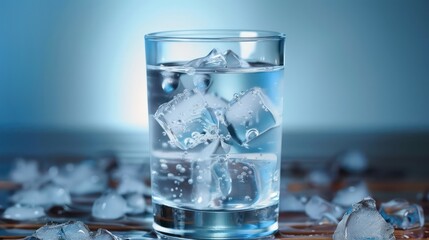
pixel 164 166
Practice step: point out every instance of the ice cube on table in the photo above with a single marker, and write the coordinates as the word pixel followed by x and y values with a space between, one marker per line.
pixel 353 161
pixel 188 119
pixel 80 179
pixel 363 221
pixel 72 230
pixel 30 197
pixel 49 194
pixel 291 203
pixel 320 178
pixel 402 214
pixel 136 203
pixel 216 59
pixel 250 115
pixel 25 171
pixel 346 197
pixel 318 208
pixel 76 231
pixel 132 185
pixel 103 234
pixel 110 205
pixel 50 231
pixel 56 195
pixel 22 212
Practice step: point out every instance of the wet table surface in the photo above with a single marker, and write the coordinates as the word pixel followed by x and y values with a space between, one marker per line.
pixel 292 225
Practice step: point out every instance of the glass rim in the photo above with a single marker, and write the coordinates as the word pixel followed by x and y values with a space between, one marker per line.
pixel 227 35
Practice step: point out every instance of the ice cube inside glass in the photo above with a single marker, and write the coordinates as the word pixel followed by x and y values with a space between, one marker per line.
pixel 215 102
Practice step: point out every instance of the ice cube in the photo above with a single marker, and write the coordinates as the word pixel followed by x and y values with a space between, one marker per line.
pixel 215 59
pixel 291 203
pixel 318 208
pixel 48 194
pixel 402 214
pixel 136 203
pixel 22 212
pixel 188 119
pixel 110 205
pixel 103 234
pixel 50 231
pixel 202 187
pixel 132 185
pixel 234 61
pixel 363 222
pixel 319 178
pixel 30 197
pixel 25 171
pixel 353 161
pixel 73 230
pixel 246 187
pixel 56 194
pixel 83 178
pixel 250 115
pixel 76 231
pixel 352 194
pixel 221 173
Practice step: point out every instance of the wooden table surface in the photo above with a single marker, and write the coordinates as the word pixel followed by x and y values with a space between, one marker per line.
pixel 292 225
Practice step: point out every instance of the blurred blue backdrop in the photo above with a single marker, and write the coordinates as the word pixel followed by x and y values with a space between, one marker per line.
pixel 350 65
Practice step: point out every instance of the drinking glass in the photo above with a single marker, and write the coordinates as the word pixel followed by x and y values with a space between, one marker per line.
pixel 215 100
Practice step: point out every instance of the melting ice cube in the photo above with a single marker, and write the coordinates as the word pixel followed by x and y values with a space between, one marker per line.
pixel 73 230
pixel 23 212
pixel 188 119
pixel 48 194
pixel 402 214
pixel 132 185
pixel 136 203
pixel 318 208
pixel 25 171
pixel 76 231
pixel 83 178
pixel 363 222
pixel 352 194
pixel 216 59
pixel 109 206
pixel 50 231
pixel 103 234
pixel 30 197
pixel 291 203
pixel 353 161
pixel 320 178
pixel 250 115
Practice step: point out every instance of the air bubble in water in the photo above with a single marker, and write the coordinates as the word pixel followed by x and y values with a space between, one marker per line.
pixel 251 134
pixel 169 84
pixel 164 166
pixel 201 82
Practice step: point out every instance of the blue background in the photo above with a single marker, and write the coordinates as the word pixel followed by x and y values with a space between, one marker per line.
pixel 350 65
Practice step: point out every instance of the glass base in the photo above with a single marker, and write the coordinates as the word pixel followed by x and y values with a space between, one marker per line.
pixel 198 224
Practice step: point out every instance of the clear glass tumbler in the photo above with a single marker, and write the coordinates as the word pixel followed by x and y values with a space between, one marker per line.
pixel 215 124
